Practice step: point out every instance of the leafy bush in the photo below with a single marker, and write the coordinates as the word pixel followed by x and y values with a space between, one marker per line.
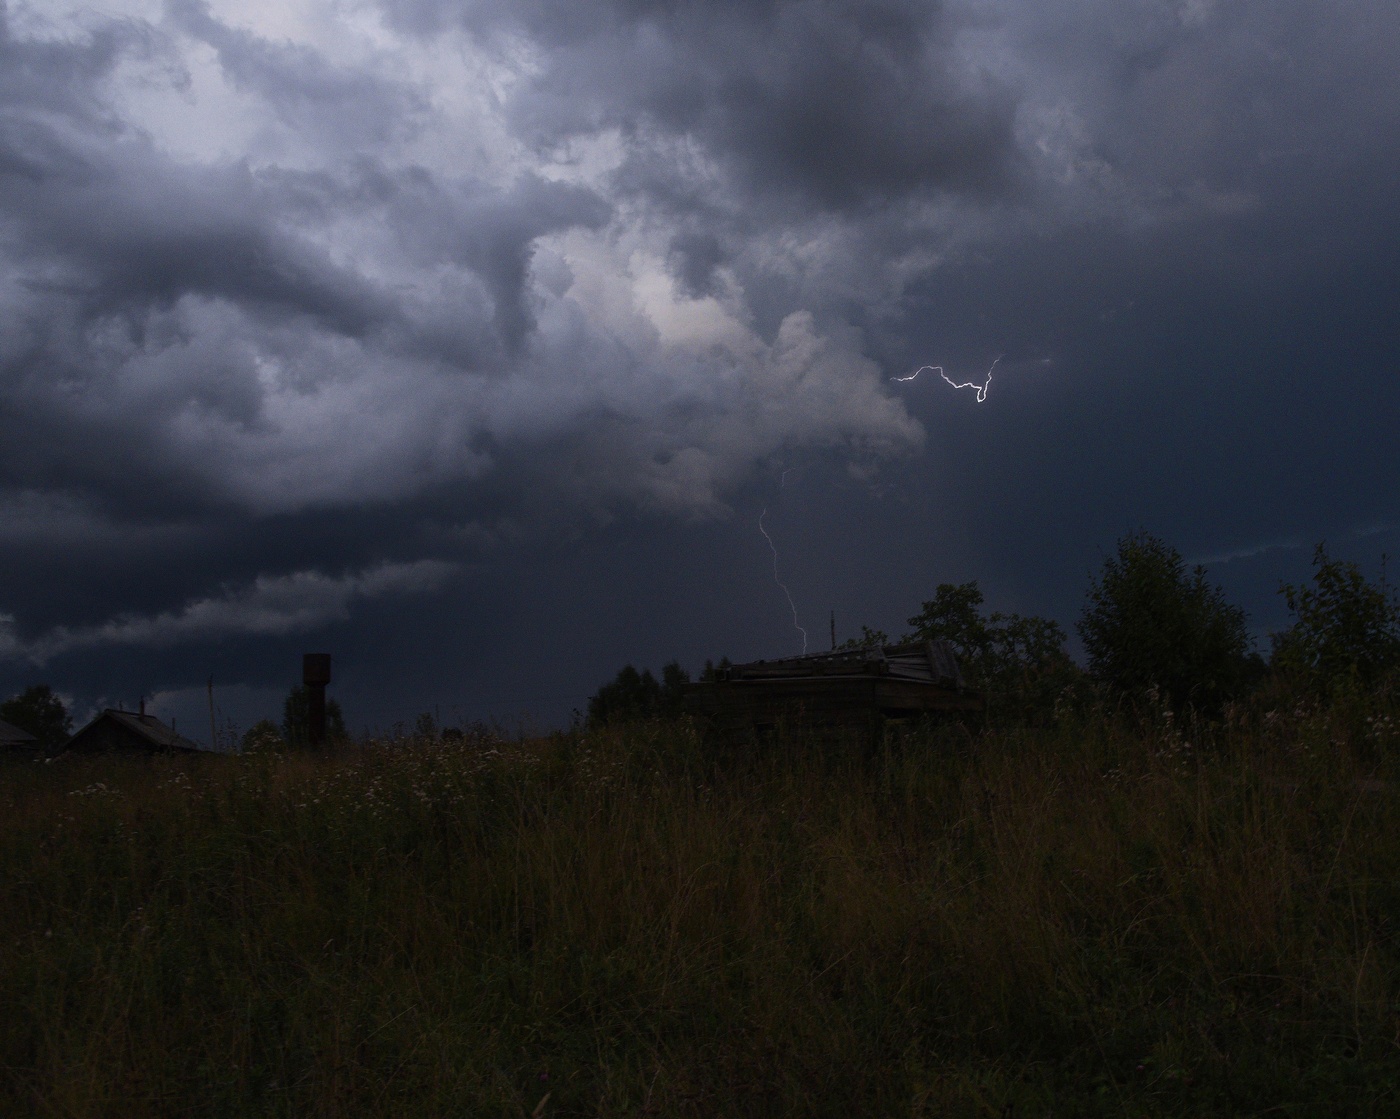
pixel 1149 623
pixel 867 638
pixel 41 713
pixel 1346 630
pixel 996 650
pixel 262 737
pixel 1016 658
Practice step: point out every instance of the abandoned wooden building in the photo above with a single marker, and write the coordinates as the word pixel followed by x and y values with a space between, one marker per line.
pixel 129 732
pixel 850 688
pixel 16 739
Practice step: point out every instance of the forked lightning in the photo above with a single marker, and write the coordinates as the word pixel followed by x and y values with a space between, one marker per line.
pixel 981 389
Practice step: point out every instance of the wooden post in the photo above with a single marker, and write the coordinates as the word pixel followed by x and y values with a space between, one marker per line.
pixel 316 674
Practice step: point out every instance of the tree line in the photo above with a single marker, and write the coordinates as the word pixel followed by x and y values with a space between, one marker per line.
pixel 1153 628
pixel 39 710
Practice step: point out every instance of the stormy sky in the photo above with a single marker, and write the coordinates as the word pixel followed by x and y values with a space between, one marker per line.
pixel 469 341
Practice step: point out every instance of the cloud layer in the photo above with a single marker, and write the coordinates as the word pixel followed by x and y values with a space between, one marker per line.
pixel 271 607
pixel 324 318
pixel 299 289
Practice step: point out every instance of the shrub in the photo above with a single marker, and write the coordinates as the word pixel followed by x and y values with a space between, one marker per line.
pixel 1346 629
pixel 868 637
pixel 1008 655
pixel 262 737
pixel 41 713
pixel 1149 623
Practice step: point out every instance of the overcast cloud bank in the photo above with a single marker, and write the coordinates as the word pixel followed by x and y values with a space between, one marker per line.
pixel 273 607
pixel 378 285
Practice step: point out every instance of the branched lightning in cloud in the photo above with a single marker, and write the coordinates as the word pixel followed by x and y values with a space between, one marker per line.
pixel 774 549
pixel 981 389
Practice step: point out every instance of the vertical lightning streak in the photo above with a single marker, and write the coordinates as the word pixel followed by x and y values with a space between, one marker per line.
pixel 783 586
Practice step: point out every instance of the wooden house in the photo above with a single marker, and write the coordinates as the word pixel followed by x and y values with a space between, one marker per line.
pixel 129 732
pixel 13 739
pixel 852 689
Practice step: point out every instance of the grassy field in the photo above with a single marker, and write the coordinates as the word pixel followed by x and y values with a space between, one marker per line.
pixel 1095 919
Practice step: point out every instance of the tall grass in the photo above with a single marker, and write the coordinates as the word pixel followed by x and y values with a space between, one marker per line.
pixel 1093 919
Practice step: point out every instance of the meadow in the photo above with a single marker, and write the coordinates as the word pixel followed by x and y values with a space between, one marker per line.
pixel 1107 915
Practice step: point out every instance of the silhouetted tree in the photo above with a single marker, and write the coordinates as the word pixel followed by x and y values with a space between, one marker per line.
pixel 39 711
pixel 1004 653
pixel 868 637
pixel 713 671
pixel 1347 629
pixel 639 695
pixel 294 720
pixel 1150 623
pixel 671 702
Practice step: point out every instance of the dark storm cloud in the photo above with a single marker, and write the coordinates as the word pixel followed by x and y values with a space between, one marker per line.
pixel 145 295
pixel 839 106
pixel 309 331
pixel 61 75
pixel 311 94
pixel 694 258
pixel 202 355
pixel 121 229
pixel 278 606
pixel 490 232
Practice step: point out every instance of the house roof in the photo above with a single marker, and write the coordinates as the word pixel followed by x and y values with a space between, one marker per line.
pixel 11 735
pixel 148 727
pixel 930 662
pixel 153 729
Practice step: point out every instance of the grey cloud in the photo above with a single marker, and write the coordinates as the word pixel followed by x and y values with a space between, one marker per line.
pixel 626 261
pixel 271 606
pixel 151 308
pixel 1167 110
pixel 188 326
pixel 62 75
pixel 845 106
pixel 120 226
pixel 681 456
pixel 326 103
pixel 492 232
pixel 694 258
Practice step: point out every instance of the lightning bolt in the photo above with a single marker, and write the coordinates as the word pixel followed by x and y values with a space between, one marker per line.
pixel 981 389
pixel 774 549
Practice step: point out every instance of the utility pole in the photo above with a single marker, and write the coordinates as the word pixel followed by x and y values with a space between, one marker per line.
pixel 833 631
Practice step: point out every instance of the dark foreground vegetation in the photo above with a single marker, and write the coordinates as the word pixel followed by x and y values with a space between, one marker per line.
pixel 1113 915
pixel 1165 884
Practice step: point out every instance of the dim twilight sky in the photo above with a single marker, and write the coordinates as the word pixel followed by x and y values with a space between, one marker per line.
pixel 468 341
